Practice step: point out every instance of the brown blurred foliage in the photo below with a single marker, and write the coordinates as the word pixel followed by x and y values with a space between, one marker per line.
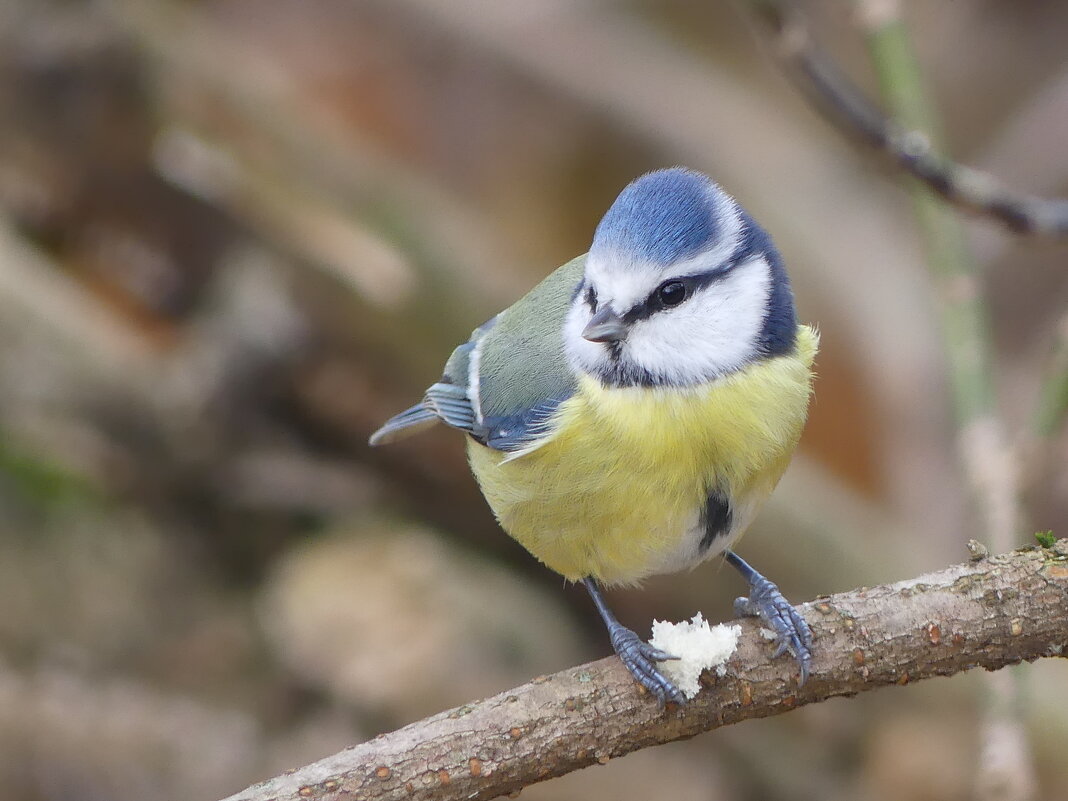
pixel 236 235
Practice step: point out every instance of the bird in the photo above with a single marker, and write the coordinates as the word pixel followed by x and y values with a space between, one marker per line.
pixel 629 416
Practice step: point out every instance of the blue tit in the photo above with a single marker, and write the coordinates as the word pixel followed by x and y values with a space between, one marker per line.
pixel 630 415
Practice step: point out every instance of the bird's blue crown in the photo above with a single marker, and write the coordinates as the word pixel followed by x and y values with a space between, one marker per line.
pixel 662 217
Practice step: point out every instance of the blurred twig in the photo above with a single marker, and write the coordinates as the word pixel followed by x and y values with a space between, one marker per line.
pixel 33 290
pixel 990 613
pixel 906 145
pixel 325 160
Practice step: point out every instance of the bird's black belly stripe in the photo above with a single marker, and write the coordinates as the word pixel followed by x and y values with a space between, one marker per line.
pixel 715 518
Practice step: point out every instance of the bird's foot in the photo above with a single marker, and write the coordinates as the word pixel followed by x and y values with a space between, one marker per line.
pixel 639 657
pixel 792 633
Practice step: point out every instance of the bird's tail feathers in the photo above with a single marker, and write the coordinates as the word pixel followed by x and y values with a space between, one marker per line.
pixel 408 422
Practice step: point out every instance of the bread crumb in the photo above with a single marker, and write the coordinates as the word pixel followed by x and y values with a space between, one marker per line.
pixel 699 647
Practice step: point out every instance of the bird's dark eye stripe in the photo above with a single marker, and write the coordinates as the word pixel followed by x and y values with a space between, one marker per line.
pixel 591 298
pixel 692 284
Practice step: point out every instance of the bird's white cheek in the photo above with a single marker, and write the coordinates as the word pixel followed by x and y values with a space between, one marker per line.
pixel 715 333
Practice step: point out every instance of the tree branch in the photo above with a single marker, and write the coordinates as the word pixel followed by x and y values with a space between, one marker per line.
pixel 988 613
pixel 845 105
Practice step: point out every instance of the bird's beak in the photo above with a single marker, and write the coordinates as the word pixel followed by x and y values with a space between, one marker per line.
pixel 605 326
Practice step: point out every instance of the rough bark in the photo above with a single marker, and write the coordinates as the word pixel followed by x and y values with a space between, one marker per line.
pixel 987 613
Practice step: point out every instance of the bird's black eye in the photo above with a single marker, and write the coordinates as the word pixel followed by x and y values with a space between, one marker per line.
pixel 591 298
pixel 671 293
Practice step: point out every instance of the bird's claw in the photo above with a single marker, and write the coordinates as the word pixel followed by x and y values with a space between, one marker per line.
pixel 639 656
pixel 792 633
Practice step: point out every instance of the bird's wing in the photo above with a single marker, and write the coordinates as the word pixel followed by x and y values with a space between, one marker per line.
pixel 522 373
pixel 504 389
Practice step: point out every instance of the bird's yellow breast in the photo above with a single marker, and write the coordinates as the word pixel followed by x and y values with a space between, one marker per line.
pixel 624 475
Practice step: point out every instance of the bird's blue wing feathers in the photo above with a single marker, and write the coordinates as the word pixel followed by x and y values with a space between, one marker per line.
pixel 522 374
pixel 519 431
pixel 451 403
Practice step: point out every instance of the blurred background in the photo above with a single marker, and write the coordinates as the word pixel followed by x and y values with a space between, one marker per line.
pixel 236 235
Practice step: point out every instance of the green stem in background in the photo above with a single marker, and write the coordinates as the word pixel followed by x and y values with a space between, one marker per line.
pixel 1053 393
pixel 990 464
pixel 964 314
